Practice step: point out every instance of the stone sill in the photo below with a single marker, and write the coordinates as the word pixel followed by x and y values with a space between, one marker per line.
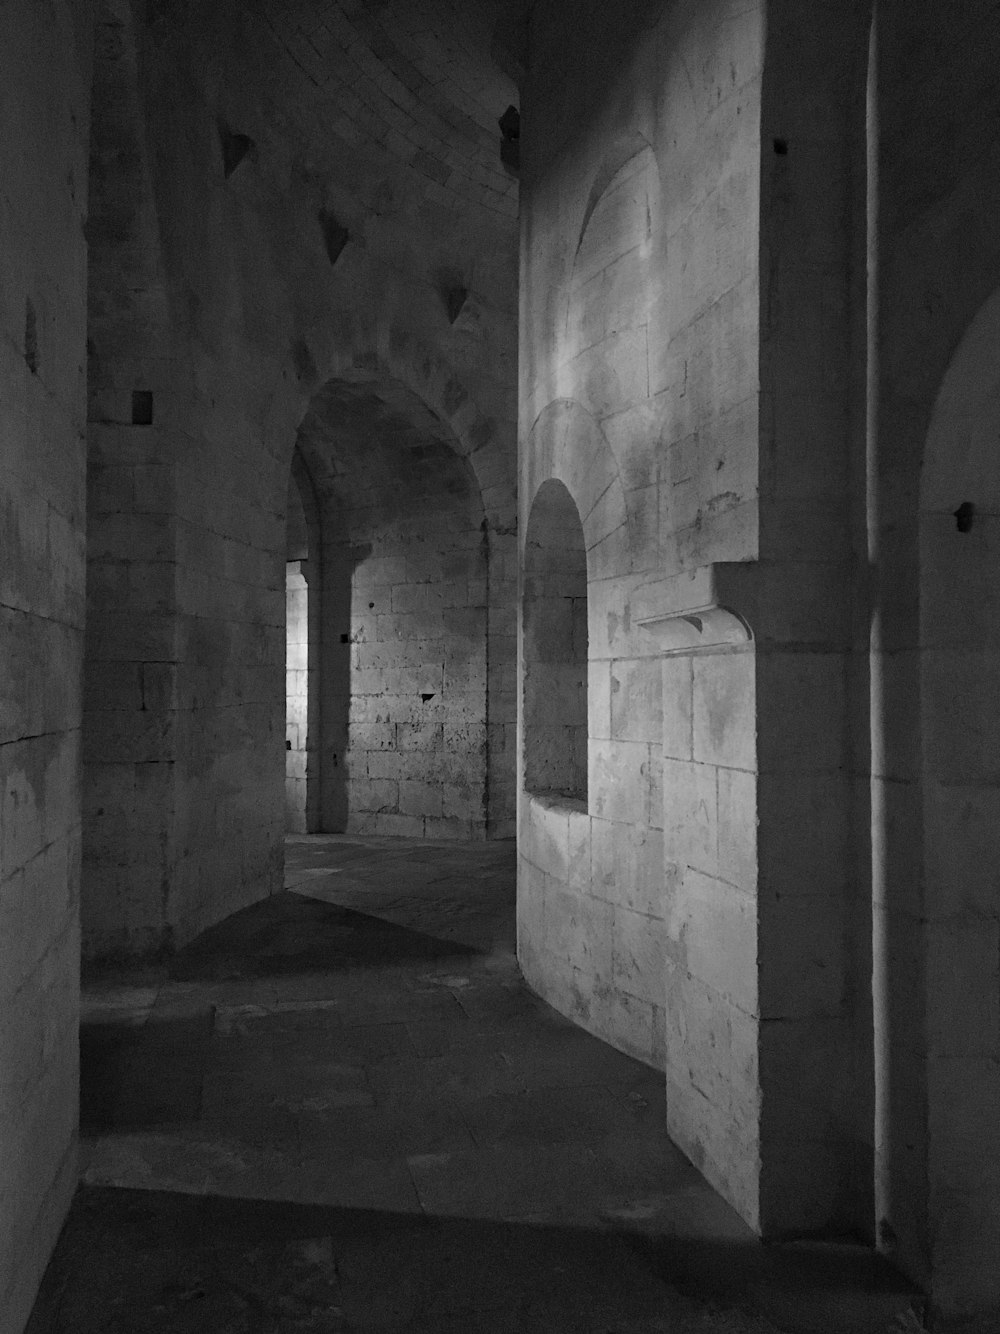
pixel 559 801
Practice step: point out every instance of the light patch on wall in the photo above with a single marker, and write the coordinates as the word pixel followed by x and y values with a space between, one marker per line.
pixel 610 292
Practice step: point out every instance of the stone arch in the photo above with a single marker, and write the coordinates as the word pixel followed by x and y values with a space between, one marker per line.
pixel 402 363
pixel 555 648
pixel 566 443
pixel 449 455
pixel 418 378
pixel 961 450
pixel 624 149
pixel 405 564
pixel 348 408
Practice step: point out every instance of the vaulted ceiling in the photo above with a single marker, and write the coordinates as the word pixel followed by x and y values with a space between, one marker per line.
pixel 421 82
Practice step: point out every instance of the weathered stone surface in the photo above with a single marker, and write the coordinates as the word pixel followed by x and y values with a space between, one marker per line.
pixel 43 172
pixel 638 394
pixel 758 321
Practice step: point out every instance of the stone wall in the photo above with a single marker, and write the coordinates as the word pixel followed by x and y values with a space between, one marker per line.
pixel 416 749
pixel 639 394
pixel 758 355
pixel 240 261
pixel 693 341
pixel 935 787
pixel 43 192
pixel 805 601
pixel 758 348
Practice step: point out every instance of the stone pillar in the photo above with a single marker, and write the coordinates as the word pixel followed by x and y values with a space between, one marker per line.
pixel 762 1081
pixel 132 652
pixel 713 1021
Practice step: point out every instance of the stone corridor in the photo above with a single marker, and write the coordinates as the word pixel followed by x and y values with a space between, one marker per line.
pixel 343 1110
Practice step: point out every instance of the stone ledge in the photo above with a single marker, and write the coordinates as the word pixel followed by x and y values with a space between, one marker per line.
pixel 557 801
pixel 789 604
pixel 687 612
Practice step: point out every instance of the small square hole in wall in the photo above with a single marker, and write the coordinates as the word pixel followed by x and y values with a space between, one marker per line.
pixel 142 407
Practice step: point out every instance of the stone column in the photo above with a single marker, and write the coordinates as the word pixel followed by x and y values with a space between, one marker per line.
pixel 761 1075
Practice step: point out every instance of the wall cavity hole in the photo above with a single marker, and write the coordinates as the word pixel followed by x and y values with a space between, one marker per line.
pixel 30 336
pixel 964 516
pixel 235 147
pixel 781 147
pixel 427 698
pixel 371 605
pixel 510 144
pixel 335 235
pixel 455 299
pixel 142 407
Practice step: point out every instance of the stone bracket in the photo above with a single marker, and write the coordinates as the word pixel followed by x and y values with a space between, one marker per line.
pixel 688 612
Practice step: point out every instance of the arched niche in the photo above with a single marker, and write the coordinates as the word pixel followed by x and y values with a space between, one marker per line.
pixel 555 648
pixel 566 443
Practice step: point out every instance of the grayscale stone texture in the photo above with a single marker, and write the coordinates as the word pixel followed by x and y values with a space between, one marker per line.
pixel 643 506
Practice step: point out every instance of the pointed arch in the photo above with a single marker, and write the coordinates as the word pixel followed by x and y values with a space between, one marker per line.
pixel 566 443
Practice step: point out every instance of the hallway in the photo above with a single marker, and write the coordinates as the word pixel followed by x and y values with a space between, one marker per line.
pixel 342 1110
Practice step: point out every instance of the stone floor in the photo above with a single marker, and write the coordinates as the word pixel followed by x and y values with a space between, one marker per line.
pixel 342 1110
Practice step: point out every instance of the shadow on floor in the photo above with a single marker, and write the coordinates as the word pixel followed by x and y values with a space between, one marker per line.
pixel 135 1262
pixel 290 933
pixel 122 1064
pixel 342 1109
pixel 123 1069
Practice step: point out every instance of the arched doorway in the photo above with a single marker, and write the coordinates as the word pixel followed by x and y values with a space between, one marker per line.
pixel 302 653
pixel 404 680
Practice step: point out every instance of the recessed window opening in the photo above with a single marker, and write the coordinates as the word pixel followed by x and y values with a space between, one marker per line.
pixel 555 648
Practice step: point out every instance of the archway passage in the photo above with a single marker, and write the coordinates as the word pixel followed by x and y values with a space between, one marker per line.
pixel 405 617
pixel 302 654
pixel 555 648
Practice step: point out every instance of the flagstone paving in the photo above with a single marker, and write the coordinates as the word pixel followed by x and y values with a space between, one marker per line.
pixel 343 1110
